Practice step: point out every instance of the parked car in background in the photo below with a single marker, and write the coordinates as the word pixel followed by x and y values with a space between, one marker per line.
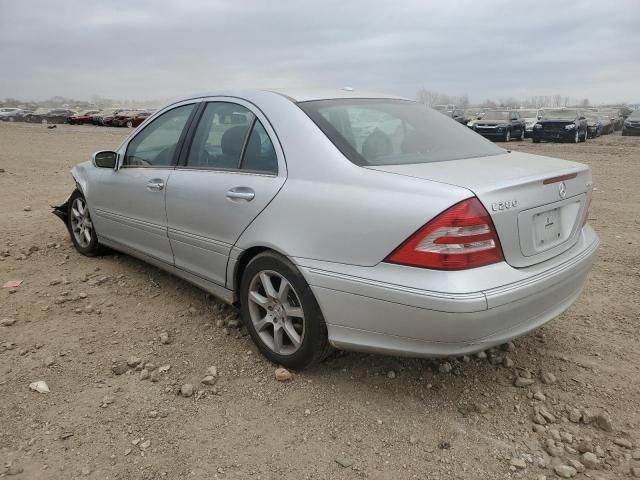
pixel 139 118
pixel 615 118
pixel 451 111
pixel 530 117
pixel 470 115
pixel 631 125
pixel 460 247
pixel 594 124
pixel 129 118
pixel 561 124
pixel 50 115
pixel 501 125
pixel 8 113
pixel 107 120
pixel 82 118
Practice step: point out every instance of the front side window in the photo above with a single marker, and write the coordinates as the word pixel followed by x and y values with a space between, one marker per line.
pixel 155 146
pixel 394 132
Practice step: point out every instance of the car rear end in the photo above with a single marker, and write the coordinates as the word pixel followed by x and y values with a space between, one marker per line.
pixel 510 251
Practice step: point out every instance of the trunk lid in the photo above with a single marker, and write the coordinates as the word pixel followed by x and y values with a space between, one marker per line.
pixel 537 203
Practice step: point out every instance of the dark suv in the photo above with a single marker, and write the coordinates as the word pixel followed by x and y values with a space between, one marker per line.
pixel 501 125
pixel 562 124
pixel 631 125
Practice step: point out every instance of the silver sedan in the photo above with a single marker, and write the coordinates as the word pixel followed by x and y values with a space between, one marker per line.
pixel 341 219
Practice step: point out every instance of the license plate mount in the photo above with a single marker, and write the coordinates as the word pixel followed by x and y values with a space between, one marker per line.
pixel 547 228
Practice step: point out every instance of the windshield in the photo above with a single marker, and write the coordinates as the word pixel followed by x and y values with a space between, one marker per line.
pixel 496 115
pixel 559 114
pixel 394 132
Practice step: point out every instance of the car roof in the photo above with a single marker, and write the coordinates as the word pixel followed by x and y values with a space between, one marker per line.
pixel 295 94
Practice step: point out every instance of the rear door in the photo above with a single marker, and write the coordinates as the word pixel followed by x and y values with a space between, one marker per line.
pixel 231 171
pixel 128 204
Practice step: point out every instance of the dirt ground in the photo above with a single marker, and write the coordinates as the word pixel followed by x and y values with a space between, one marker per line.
pixel 78 319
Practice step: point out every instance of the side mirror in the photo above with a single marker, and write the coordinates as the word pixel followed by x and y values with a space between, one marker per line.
pixel 104 159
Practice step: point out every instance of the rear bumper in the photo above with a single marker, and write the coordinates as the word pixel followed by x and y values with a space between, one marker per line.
pixel 366 314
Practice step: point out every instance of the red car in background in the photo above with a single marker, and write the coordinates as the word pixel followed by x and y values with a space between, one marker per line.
pixel 82 117
pixel 129 119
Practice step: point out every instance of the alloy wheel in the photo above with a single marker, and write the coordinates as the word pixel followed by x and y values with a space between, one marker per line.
pixel 81 225
pixel 577 138
pixel 129 124
pixel 507 136
pixel 276 312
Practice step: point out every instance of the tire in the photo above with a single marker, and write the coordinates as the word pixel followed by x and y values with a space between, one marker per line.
pixel 265 313
pixel 129 124
pixel 586 134
pixel 79 222
pixel 522 135
pixel 536 140
pixel 507 136
pixel 576 139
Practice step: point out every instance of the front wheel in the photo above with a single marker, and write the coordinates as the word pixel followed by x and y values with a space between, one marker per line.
pixel 507 136
pixel 281 313
pixel 129 124
pixel 576 138
pixel 522 135
pixel 80 225
pixel 586 133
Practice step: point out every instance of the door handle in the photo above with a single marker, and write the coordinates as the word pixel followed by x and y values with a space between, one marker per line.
pixel 155 185
pixel 241 193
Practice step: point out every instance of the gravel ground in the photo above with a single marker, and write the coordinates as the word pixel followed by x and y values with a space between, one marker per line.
pixel 93 329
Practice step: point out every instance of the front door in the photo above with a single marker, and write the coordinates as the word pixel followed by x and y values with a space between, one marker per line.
pixel 128 204
pixel 231 172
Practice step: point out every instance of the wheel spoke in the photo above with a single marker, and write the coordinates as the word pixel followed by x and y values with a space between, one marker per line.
pixel 265 279
pixel 258 299
pixel 291 333
pixel 292 311
pixel 75 213
pixel 277 339
pixel 87 235
pixel 262 323
pixel 283 291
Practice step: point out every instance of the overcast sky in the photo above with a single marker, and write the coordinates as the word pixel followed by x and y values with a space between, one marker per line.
pixel 148 49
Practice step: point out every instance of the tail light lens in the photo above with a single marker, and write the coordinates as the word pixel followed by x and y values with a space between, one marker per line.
pixel 459 238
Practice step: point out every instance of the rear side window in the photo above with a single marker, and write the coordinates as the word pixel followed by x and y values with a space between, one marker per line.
pixel 155 146
pixel 259 154
pixel 220 136
pixel 394 132
pixel 230 137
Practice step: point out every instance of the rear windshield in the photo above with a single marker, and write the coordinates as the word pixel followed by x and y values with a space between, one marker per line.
pixel 394 132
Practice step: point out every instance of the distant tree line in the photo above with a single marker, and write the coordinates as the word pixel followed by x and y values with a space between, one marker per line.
pixel 431 98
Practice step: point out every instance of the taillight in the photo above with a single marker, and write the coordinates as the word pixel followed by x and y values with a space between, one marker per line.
pixel 459 238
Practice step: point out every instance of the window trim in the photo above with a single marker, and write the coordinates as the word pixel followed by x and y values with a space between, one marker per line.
pixel 182 163
pixel 179 144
